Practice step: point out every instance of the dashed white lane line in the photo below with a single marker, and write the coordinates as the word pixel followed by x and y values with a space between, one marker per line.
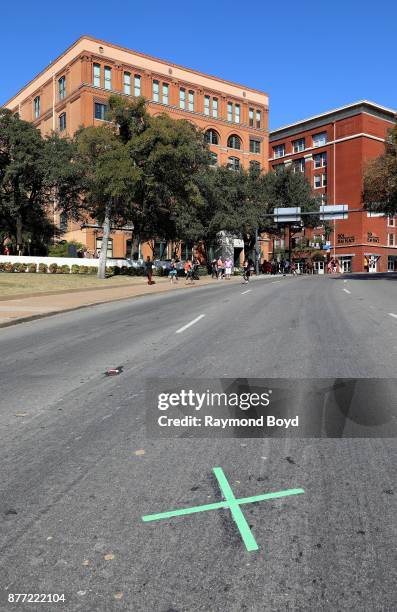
pixel 346 291
pixel 391 314
pixel 272 282
pixel 182 329
pixel 244 292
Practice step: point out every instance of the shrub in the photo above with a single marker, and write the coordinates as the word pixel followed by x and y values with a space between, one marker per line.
pixel 92 270
pixel 9 267
pixel 65 269
pixel 75 269
pixel 22 267
pixel 32 268
pixel 109 271
pixel 15 267
pixel 52 268
pixel 83 269
pixel 43 268
pixel 2 267
pixel 61 249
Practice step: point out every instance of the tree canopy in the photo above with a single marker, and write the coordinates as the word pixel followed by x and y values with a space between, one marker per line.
pixel 380 179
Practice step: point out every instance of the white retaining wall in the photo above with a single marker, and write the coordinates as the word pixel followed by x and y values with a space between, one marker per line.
pixel 62 261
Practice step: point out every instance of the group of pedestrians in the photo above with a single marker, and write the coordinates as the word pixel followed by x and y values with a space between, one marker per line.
pixel 222 269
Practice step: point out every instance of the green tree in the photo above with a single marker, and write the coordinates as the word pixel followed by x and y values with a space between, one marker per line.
pixel 32 171
pixel 110 180
pixel 380 179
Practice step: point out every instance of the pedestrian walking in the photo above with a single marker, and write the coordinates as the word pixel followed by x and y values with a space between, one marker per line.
pixel 172 274
pixel 221 268
pixel 188 271
pixel 293 268
pixel 149 270
pixel 247 271
pixel 228 268
pixel 214 269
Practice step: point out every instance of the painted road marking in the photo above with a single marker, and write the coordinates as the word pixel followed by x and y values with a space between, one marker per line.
pixel 275 282
pixel 391 314
pixel 244 292
pixel 230 502
pixel 346 291
pixel 181 329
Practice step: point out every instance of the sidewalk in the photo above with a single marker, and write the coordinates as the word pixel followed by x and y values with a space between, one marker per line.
pixel 17 310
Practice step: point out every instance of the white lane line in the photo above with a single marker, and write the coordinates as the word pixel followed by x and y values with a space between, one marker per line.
pixel 275 282
pixel 391 314
pixel 345 281
pixel 182 329
pixel 346 291
pixel 244 292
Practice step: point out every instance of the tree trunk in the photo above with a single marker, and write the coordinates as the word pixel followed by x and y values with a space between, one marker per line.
pixel 19 233
pixel 105 239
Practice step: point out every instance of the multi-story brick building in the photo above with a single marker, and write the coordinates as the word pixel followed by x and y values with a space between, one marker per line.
pixel 73 90
pixel 332 149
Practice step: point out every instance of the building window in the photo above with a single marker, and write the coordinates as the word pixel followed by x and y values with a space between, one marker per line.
pixel 234 142
pixel 319 140
pixel 206 105
pixel 108 77
pixel 317 181
pixel 62 122
pixel 251 114
pixel 255 165
pixel 234 163
pixel 214 158
pixel 155 91
pixel 137 85
pixel 391 222
pixel 160 250
pixel 165 93
pixel 100 111
pixel 62 87
pixel 391 240
pixel 127 83
pixel 320 160
pixel 229 111
pixel 211 137
pixel 191 101
pixel 98 245
pixel 215 107
pixel 279 151
pixel 182 98
pixel 255 146
pixel 258 119
pixel 237 113
pixel 298 145
pixel 324 180
pixel 97 75
pixel 298 165
pixel 36 106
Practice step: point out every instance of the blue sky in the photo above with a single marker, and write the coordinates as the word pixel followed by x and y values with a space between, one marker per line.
pixel 309 56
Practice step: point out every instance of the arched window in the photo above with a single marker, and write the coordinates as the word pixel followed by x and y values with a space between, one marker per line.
pixel 212 137
pixel 234 163
pixel 234 142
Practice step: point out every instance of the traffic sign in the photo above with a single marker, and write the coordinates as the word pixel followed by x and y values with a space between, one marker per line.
pixel 287 215
pixel 334 211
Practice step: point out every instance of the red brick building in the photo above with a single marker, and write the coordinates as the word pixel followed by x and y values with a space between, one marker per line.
pixel 332 150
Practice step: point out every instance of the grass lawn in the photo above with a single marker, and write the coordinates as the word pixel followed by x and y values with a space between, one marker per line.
pixel 16 283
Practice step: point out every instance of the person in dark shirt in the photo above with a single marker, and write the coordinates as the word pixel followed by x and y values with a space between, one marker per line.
pixel 149 270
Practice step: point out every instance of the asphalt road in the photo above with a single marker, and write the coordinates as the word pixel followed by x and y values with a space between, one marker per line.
pixel 78 472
